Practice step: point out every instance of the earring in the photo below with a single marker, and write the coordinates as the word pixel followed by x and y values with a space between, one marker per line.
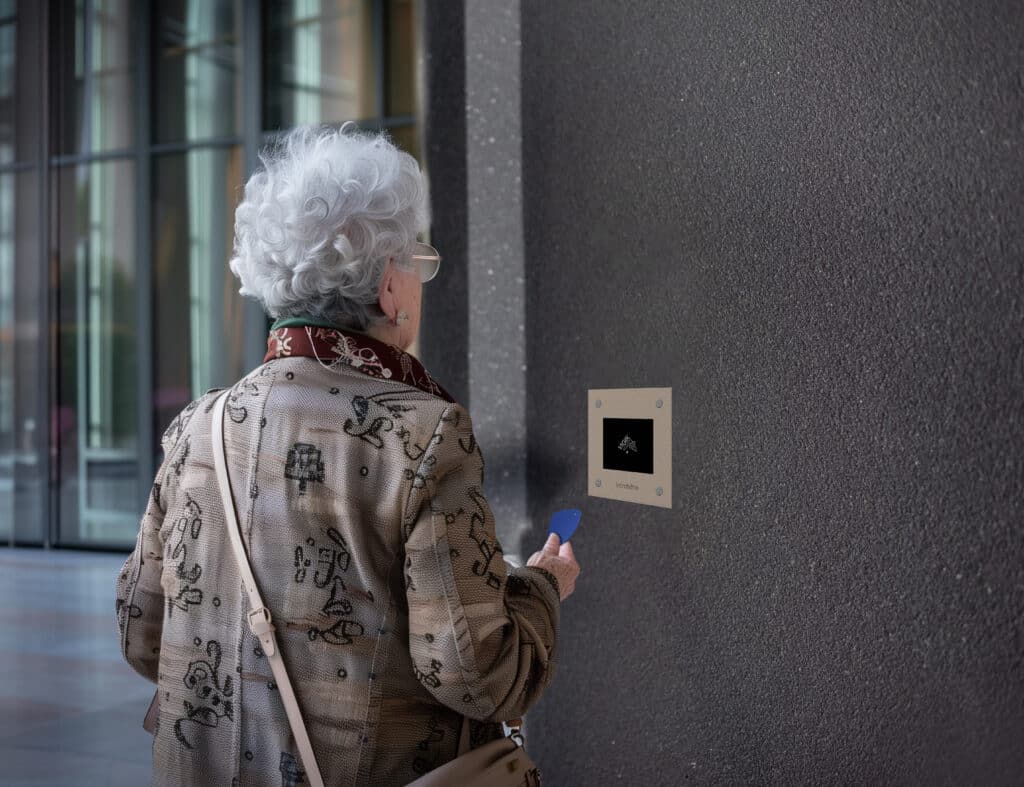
pixel 401 317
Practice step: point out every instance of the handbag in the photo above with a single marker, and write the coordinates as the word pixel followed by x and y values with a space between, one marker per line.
pixel 499 763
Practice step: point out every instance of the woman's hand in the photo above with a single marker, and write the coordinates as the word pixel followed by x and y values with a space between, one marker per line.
pixel 560 561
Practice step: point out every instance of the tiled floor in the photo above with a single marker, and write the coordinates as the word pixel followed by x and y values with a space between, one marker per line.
pixel 70 709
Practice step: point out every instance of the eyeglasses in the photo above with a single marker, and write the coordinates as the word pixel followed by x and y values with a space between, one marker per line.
pixel 424 259
pixel 427 259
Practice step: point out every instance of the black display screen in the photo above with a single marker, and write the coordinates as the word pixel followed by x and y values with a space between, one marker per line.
pixel 629 444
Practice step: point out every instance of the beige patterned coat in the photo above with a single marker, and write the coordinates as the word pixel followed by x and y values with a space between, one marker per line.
pixel 363 512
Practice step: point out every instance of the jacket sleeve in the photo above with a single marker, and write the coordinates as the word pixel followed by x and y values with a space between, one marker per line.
pixel 140 598
pixel 482 634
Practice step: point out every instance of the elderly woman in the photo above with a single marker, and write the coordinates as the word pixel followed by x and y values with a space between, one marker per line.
pixel 359 491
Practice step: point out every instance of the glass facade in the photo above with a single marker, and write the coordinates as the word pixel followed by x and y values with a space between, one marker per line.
pixel 127 129
pixel 97 397
pixel 96 77
pixel 198 65
pixel 198 322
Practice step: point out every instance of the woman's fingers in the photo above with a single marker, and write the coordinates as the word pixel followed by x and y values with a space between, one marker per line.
pixel 559 559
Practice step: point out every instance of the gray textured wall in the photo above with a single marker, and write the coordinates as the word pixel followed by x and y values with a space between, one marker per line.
pixel 497 330
pixel 474 331
pixel 806 218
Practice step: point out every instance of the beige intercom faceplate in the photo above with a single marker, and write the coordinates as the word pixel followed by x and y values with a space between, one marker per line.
pixel 629 445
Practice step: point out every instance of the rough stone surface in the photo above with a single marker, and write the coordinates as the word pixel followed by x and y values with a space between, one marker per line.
pixel 497 290
pixel 806 219
pixel 473 336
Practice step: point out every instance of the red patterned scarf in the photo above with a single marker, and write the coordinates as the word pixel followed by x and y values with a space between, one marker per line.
pixel 332 347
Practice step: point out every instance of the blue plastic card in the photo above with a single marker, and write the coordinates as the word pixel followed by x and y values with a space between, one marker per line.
pixel 564 523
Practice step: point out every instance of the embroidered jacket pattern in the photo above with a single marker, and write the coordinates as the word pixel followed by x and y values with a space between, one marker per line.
pixel 362 508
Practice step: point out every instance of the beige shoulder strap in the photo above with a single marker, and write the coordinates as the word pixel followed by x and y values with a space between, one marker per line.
pixel 258 616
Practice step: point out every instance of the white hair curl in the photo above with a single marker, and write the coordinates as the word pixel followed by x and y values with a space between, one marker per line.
pixel 318 222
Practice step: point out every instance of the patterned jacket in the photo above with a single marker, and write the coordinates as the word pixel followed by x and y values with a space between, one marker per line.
pixel 362 509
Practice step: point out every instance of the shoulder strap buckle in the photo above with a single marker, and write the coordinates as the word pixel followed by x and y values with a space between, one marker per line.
pixel 260 622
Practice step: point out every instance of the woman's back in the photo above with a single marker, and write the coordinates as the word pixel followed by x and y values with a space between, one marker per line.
pixel 360 500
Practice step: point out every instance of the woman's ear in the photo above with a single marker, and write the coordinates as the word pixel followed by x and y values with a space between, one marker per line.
pixel 386 293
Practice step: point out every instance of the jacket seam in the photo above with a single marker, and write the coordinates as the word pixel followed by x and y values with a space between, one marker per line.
pixel 383 649
pixel 449 576
pixel 242 597
pixel 431 447
pixel 129 600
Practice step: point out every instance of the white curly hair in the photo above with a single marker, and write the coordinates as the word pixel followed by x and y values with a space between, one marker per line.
pixel 318 222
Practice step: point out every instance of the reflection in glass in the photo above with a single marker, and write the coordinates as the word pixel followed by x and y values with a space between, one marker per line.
pixel 96 84
pixel 8 106
pixel 8 441
pixel 19 80
pixel 74 63
pixel 23 467
pixel 401 57
pixel 407 138
pixel 197 311
pixel 96 422
pixel 318 62
pixel 197 69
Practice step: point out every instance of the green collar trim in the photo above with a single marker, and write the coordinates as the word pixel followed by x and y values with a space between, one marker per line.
pixel 301 322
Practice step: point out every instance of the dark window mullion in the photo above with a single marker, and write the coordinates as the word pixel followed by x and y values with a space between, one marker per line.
pixel 75 159
pixel 252 95
pixel 165 148
pixel 381 59
pixel 15 168
pixel 54 32
pixel 46 298
pixel 145 51
pixel 398 120
pixel 255 324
